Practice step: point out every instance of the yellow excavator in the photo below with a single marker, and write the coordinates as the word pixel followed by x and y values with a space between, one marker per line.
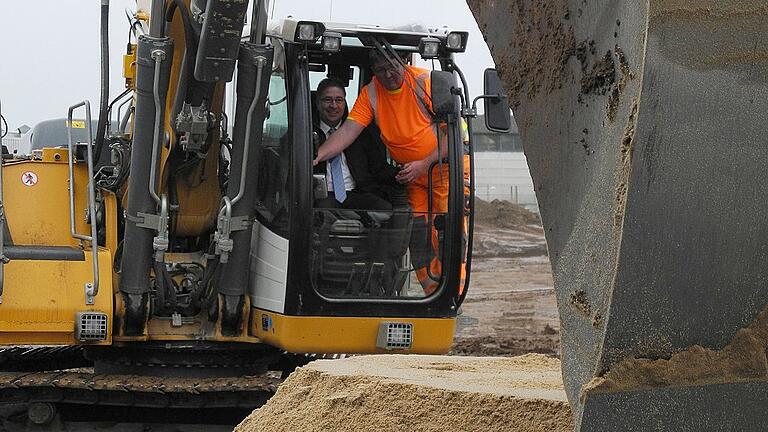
pixel 173 246
pixel 643 123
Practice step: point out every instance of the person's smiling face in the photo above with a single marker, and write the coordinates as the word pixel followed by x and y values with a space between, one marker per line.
pixel 332 104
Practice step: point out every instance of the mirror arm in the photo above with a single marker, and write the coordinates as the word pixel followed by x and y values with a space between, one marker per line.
pixel 472 112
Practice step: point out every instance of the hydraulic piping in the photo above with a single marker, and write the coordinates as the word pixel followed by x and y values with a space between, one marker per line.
pixel 224 243
pixel 158 56
pixel 104 100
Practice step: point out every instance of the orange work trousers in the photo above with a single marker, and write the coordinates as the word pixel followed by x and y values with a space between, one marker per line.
pixel 426 239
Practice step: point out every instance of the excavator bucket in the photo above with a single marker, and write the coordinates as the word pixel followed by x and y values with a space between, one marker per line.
pixel 644 126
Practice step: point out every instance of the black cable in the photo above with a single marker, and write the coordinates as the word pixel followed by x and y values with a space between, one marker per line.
pixel 134 24
pixel 104 100
pixel 6 127
pixel 185 18
pixel 160 295
pixel 114 101
pixel 189 55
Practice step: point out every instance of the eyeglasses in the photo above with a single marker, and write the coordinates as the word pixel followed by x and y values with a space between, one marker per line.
pixel 330 100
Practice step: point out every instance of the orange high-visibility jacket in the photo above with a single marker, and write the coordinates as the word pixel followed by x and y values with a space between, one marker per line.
pixel 403 115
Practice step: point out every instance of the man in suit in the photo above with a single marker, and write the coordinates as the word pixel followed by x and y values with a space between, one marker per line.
pixel 361 169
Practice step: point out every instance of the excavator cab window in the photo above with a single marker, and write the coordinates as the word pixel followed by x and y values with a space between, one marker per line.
pixel 365 252
pixel 274 164
pixel 360 260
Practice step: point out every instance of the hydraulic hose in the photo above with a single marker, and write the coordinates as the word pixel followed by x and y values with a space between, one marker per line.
pixel 104 99
pixel 258 21
pixel 156 23
pixel 187 64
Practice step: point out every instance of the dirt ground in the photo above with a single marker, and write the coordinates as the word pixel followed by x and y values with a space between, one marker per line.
pixel 510 308
pixel 405 393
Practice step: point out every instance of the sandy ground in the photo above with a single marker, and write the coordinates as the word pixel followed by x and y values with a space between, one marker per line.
pixel 510 308
pixel 419 393
pixel 510 311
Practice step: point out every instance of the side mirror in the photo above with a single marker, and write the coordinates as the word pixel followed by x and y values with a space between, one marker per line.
pixel 497 117
pixel 443 101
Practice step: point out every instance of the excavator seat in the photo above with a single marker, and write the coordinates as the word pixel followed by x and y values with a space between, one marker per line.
pixel 359 252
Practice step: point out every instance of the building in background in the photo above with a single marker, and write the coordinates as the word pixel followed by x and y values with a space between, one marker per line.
pixel 501 169
pixel 18 142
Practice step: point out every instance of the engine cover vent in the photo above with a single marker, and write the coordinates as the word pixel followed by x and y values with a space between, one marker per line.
pixel 91 326
pixel 395 336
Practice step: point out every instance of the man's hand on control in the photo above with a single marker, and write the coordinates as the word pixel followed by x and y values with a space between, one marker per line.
pixel 412 171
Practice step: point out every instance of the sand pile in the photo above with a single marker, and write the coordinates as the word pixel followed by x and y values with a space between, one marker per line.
pixel 744 359
pixel 503 214
pixel 419 393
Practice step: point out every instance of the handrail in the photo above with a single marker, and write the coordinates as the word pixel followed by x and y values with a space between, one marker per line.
pixel 92 289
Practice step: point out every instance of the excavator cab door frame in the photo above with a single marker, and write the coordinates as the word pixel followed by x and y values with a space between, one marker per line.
pixel 301 298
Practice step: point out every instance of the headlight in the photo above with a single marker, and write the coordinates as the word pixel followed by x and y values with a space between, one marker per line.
pixel 429 47
pixel 456 41
pixel 308 31
pixel 331 41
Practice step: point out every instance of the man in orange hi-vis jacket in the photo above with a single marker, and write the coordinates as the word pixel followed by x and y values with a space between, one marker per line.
pixel 398 99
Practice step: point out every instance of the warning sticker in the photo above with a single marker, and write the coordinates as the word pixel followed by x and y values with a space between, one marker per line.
pixel 78 124
pixel 29 178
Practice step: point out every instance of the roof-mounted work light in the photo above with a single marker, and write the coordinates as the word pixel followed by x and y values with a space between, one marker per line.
pixel 308 31
pixel 429 47
pixel 331 41
pixel 456 41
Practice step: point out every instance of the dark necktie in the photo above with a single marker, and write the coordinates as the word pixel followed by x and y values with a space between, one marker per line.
pixel 337 175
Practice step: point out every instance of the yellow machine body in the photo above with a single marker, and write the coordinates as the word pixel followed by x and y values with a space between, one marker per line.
pixel 42 297
pixel 348 334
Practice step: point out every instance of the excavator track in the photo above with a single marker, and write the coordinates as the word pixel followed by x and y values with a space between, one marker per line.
pixel 164 385
pixel 134 390
pixel 36 358
pixel 42 396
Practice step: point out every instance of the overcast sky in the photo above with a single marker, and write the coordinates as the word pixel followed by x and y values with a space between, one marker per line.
pixel 49 49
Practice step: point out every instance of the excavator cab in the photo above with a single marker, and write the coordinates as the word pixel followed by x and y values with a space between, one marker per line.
pixel 319 273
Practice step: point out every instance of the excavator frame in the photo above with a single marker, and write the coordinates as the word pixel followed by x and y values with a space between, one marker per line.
pixel 180 288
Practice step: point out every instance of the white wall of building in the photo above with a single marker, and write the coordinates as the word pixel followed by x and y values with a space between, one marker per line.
pixel 17 144
pixel 504 176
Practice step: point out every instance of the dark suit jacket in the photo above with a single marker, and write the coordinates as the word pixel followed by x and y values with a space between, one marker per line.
pixel 367 162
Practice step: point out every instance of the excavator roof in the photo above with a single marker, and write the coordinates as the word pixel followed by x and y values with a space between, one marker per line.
pixel 408 35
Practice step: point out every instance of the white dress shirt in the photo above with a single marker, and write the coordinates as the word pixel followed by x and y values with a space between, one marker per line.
pixel 349 182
